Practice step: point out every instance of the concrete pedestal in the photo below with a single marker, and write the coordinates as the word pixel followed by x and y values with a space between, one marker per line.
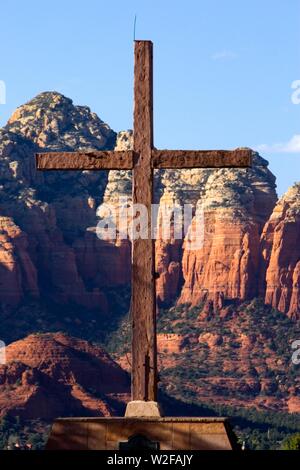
pixel 143 409
pixel 167 433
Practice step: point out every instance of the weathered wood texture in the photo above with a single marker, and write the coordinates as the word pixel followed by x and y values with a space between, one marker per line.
pixel 143 301
pixel 238 158
pixel 143 159
pixel 98 160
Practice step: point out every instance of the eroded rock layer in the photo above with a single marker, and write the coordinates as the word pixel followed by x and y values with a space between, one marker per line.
pixel 54 251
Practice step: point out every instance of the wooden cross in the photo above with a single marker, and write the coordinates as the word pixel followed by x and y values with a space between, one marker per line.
pixel 143 159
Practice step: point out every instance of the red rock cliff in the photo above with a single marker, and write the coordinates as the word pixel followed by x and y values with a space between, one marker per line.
pixel 280 249
pixel 234 205
pixel 56 253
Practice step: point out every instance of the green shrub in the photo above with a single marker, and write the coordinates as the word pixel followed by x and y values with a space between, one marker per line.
pixel 291 442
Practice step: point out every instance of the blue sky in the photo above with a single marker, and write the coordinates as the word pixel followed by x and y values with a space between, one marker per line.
pixel 222 74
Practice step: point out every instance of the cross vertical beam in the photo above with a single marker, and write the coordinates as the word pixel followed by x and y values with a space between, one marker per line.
pixel 143 303
pixel 142 160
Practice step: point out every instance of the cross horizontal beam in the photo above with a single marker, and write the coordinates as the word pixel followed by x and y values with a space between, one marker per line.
pixel 238 158
pixel 94 160
pixel 125 160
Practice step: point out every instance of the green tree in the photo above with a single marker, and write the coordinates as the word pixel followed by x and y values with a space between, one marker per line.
pixel 292 442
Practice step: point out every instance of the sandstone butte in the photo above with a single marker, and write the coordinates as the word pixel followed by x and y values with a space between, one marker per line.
pixel 49 375
pixel 48 246
pixel 280 249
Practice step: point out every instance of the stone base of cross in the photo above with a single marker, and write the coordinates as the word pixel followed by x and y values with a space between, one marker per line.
pixel 142 160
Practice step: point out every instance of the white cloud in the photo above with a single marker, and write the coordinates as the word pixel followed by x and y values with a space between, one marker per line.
pixel 224 55
pixel 291 146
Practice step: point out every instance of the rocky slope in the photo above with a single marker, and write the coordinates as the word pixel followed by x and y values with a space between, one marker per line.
pixel 242 359
pixel 51 375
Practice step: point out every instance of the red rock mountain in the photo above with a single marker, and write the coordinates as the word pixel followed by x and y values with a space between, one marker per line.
pixel 49 249
pixel 46 248
pixel 280 250
pixel 51 375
